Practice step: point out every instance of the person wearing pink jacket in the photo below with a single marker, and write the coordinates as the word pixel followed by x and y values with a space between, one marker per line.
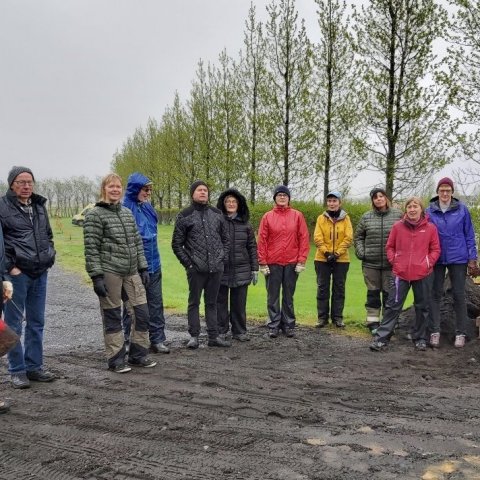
pixel 413 248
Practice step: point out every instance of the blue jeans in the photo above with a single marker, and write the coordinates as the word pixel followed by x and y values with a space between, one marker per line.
pixel 156 327
pixel 28 297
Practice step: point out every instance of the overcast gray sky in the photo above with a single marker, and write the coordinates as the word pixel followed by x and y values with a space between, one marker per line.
pixel 78 76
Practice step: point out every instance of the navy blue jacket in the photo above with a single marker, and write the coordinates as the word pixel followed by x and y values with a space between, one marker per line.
pixel 455 229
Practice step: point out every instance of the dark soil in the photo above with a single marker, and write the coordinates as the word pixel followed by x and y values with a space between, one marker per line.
pixel 319 406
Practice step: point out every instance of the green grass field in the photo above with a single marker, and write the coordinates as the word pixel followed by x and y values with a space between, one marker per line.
pixel 69 246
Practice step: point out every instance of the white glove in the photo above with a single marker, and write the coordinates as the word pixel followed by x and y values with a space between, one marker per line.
pixel 264 270
pixel 7 290
pixel 299 267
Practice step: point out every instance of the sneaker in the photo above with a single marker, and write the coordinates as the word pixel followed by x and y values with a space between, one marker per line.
pixel 20 380
pixel 290 333
pixel 193 343
pixel 378 346
pixel 435 340
pixel 122 368
pixel 4 406
pixel 459 341
pixel 41 376
pixel 273 333
pixel 339 323
pixel 218 342
pixel 420 345
pixel 159 348
pixel 242 337
pixel 144 362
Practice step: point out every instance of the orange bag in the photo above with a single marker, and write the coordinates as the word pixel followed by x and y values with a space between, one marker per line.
pixel 8 338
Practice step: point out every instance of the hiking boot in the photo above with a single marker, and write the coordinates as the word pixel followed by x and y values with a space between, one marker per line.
pixel 193 343
pixel 242 337
pixel 321 324
pixel 339 323
pixel 290 333
pixel 218 342
pixel 420 345
pixel 378 346
pixel 41 376
pixel 20 380
pixel 4 406
pixel 459 341
pixel 435 340
pixel 373 327
pixel 159 348
pixel 122 368
pixel 273 333
pixel 144 362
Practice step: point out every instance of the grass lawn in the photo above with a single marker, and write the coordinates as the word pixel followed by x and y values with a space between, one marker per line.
pixel 69 246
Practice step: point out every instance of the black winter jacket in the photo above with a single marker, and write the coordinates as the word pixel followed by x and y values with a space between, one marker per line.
pixel 200 238
pixel 28 237
pixel 242 259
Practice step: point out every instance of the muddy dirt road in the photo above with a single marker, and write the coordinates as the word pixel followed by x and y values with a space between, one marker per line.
pixel 320 406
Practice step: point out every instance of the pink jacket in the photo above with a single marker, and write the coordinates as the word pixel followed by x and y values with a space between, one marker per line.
pixel 412 249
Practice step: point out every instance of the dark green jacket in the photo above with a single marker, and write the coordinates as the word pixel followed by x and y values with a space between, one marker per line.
pixel 112 241
pixel 371 236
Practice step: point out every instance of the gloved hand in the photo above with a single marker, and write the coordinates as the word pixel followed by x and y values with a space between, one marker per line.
pixel 332 258
pixel 264 270
pixel 299 267
pixel 7 290
pixel 145 276
pixel 254 277
pixel 99 286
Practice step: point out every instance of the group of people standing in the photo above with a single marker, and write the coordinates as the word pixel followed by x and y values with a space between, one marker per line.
pixel 221 257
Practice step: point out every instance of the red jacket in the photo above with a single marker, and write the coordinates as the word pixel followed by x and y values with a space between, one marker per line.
pixel 283 237
pixel 413 250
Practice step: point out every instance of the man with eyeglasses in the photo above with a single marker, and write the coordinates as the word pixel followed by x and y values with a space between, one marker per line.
pixel 458 256
pixel 29 253
pixel 137 198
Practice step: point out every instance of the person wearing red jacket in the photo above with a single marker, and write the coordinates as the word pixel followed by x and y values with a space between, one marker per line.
pixel 283 246
pixel 413 248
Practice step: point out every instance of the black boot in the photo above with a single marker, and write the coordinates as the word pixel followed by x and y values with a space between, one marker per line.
pixel 218 342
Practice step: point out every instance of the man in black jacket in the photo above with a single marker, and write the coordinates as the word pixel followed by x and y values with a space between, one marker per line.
pixel 29 253
pixel 200 241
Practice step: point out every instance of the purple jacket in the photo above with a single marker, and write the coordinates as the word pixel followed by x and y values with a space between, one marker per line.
pixel 455 229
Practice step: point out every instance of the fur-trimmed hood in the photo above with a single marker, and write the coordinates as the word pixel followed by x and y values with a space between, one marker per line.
pixel 243 211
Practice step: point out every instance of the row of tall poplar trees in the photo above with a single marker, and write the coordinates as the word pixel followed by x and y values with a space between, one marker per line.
pixel 372 93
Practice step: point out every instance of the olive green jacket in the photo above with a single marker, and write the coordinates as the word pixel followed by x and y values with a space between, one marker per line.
pixel 112 242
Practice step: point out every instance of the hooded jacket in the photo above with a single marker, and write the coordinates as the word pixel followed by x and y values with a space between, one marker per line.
pixel 413 249
pixel 455 229
pixel 112 242
pixel 333 235
pixel 371 237
pixel 283 237
pixel 145 217
pixel 27 236
pixel 242 259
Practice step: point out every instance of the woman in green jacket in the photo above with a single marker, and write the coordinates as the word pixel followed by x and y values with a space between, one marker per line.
pixel 115 261
pixel 370 238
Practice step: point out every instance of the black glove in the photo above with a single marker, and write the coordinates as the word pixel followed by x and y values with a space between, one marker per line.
pixel 145 276
pixel 332 258
pixel 99 286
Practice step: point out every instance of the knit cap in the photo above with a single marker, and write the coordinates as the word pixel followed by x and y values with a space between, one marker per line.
pixel 281 189
pixel 195 185
pixel 15 172
pixel 445 181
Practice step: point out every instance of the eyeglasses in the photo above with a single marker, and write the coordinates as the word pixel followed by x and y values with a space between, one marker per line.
pixel 449 190
pixel 24 183
pixel 231 201
pixel 282 195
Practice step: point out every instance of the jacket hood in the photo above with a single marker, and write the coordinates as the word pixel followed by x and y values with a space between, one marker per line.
pixel 423 220
pixel 243 210
pixel 135 183
pixel 341 215
pixel 435 203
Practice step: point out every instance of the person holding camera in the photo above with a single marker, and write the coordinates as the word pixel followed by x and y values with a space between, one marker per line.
pixel 333 236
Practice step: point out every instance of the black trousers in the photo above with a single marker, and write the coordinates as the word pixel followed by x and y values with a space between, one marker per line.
pixel 284 278
pixel 396 298
pixel 236 315
pixel 338 273
pixel 209 283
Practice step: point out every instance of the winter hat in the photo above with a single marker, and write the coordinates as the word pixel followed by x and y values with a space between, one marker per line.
pixel 376 190
pixel 335 194
pixel 281 189
pixel 15 172
pixel 195 185
pixel 445 181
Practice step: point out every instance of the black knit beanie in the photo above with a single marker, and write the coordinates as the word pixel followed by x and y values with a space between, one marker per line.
pixel 15 172
pixel 195 185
